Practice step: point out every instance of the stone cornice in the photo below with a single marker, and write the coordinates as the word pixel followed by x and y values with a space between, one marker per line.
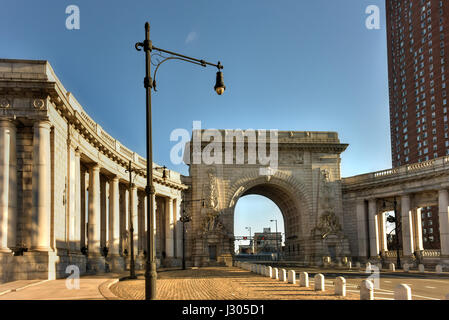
pixel 405 174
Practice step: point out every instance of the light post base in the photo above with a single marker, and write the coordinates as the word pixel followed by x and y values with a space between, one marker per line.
pixel 150 281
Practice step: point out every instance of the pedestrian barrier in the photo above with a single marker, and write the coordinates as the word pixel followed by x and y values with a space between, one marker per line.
pixel 283 275
pixel 304 279
pixel 366 290
pixel 275 274
pixel 319 282
pixel 270 271
pixel 402 292
pixel 292 276
pixel 340 286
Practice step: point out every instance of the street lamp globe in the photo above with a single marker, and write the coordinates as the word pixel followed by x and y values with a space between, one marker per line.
pixel 219 84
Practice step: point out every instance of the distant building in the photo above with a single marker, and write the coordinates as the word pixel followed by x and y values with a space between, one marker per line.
pixel 267 241
pixel 245 249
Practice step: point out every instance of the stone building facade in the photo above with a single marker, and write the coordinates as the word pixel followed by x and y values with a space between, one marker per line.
pixel 65 193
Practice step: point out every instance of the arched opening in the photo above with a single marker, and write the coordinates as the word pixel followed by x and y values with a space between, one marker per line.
pixel 258 228
pixel 292 209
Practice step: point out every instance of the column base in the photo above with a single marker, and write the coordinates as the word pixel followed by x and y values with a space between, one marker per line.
pixel 226 259
pixel 29 266
pixel 171 262
pixel 116 263
pixel 95 264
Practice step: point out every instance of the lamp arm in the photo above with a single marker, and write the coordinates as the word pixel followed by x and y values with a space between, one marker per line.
pixel 200 62
pixel 171 58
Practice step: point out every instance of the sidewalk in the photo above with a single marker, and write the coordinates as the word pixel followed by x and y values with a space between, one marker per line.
pixel 93 287
pixel 221 283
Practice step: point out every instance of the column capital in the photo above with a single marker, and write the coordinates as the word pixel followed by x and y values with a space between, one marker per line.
pixel 115 179
pixel 45 124
pixel 8 123
pixel 95 167
pixel 77 152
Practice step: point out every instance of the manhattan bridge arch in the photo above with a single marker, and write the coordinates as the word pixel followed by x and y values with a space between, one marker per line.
pixel 305 184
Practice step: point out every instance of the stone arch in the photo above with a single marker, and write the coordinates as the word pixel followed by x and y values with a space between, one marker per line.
pixel 287 193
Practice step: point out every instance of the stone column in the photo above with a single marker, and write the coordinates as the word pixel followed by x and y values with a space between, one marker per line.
pixel 178 229
pixel 114 216
pixel 141 222
pixel 76 223
pixel 406 226
pixel 154 224
pixel 8 183
pixel 169 228
pixel 145 227
pixel 83 208
pixel 94 222
pixel 103 218
pixel 134 210
pixel 41 184
pixel 382 232
pixel 417 230
pixel 123 214
pixel 373 228
pixel 361 228
pixel 443 214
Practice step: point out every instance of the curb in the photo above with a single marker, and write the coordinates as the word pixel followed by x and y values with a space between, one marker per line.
pixel 24 287
pixel 105 290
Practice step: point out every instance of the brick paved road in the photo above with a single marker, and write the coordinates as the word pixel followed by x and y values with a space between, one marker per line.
pixel 221 283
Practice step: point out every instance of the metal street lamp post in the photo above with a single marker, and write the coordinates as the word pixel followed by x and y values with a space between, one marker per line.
pixel 395 220
pixel 250 239
pixel 150 266
pixel 184 219
pixel 276 237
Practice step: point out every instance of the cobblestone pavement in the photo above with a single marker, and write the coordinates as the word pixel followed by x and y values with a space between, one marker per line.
pixel 221 283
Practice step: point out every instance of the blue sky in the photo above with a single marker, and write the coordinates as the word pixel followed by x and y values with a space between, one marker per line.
pixel 288 65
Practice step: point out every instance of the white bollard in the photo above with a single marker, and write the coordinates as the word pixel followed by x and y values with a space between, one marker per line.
pixel 283 275
pixel 421 268
pixel 439 269
pixel 368 266
pixel 319 282
pixel 402 292
pixel 275 274
pixel 366 290
pixel 304 279
pixel 392 267
pixel 358 265
pixel 406 267
pixel 349 265
pixel 292 276
pixel 269 271
pixel 340 286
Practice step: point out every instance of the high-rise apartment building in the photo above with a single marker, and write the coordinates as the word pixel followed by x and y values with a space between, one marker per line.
pixel 418 59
